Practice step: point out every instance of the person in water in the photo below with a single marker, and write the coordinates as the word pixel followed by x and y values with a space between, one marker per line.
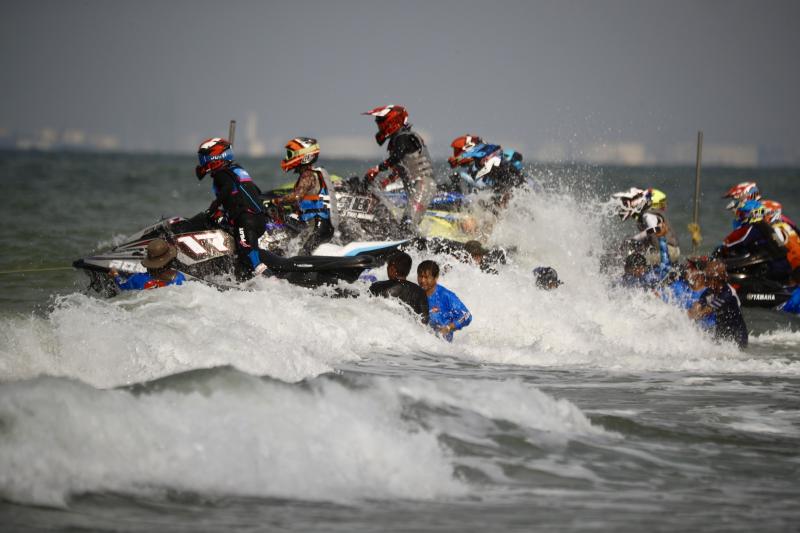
pixel 408 161
pixel 638 274
pixel 236 199
pixel 160 265
pixel 397 286
pixel 547 278
pixel 721 300
pixel 447 312
pixel 312 191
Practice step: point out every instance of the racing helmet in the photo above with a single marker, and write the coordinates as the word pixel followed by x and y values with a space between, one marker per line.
pixel 658 199
pixel 389 118
pixel 750 212
pixel 773 211
pixel 460 145
pixel 300 151
pixel 213 154
pixel 740 193
pixel 632 202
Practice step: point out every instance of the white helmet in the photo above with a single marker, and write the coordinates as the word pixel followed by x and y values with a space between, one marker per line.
pixel 632 202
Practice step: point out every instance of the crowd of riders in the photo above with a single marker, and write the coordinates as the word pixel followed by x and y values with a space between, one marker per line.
pixel 652 257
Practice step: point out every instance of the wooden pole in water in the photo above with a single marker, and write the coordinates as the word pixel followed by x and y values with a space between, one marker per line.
pixel 231 131
pixel 694 227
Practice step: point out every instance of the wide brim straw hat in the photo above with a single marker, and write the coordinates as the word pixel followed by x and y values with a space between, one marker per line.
pixel 159 254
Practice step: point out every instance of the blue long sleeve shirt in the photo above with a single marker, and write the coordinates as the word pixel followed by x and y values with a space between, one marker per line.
pixel 446 308
pixel 144 280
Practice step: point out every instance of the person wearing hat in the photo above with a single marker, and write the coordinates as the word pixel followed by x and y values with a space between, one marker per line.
pixel 159 265
pixel 547 278
pixel 720 300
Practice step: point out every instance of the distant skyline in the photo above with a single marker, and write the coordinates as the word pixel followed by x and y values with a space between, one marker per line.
pixel 601 81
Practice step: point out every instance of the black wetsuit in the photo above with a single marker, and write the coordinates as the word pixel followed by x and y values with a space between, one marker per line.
pixel 407 292
pixel 730 323
pixel 238 195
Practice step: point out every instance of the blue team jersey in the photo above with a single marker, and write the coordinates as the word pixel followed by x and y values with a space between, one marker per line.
pixel 445 307
pixel 681 294
pixel 144 280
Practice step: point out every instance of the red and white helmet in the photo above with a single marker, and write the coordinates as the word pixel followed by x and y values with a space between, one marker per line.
pixel 212 154
pixel 390 118
pixel 633 202
pixel 461 145
pixel 741 193
pixel 772 211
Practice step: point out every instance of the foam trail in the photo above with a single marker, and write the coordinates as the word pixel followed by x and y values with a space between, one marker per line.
pixel 227 433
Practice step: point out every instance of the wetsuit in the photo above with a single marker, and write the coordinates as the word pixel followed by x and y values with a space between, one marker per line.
pixel 143 280
pixel 237 195
pixel 681 294
pixel 410 162
pixel 407 292
pixel 756 239
pixel 730 323
pixel 445 308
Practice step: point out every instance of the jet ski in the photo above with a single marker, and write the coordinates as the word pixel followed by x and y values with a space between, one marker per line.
pixel 747 274
pixel 206 252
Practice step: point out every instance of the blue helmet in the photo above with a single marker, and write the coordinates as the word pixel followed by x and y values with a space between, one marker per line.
pixel 750 212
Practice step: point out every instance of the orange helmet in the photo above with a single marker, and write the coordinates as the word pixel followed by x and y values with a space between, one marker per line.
pixel 461 145
pixel 300 151
pixel 390 118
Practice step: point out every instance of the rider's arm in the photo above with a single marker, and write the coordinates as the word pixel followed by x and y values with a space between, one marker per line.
pixel 305 184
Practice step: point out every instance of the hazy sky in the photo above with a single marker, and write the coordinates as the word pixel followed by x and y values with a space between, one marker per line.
pixel 166 74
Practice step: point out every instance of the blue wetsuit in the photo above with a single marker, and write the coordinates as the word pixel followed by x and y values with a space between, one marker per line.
pixel 792 305
pixel 446 308
pixel 681 294
pixel 144 280
pixel 730 323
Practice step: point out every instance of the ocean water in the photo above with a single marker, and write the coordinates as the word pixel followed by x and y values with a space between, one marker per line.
pixel 280 408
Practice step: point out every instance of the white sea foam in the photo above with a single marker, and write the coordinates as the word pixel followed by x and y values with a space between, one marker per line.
pixel 292 333
pixel 230 433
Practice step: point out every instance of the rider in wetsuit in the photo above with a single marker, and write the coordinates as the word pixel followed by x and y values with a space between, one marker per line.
pixel 312 191
pixel 755 236
pixel 655 237
pixel 236 199
pixel 408 161
pixel 482 165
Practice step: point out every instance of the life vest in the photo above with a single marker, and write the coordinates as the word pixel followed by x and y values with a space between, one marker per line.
pixel 791 241
pixel 666 231
pixel 318 204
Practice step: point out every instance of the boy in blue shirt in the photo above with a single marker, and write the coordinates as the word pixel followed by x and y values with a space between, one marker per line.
pixel 160 255
pixel 447 312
